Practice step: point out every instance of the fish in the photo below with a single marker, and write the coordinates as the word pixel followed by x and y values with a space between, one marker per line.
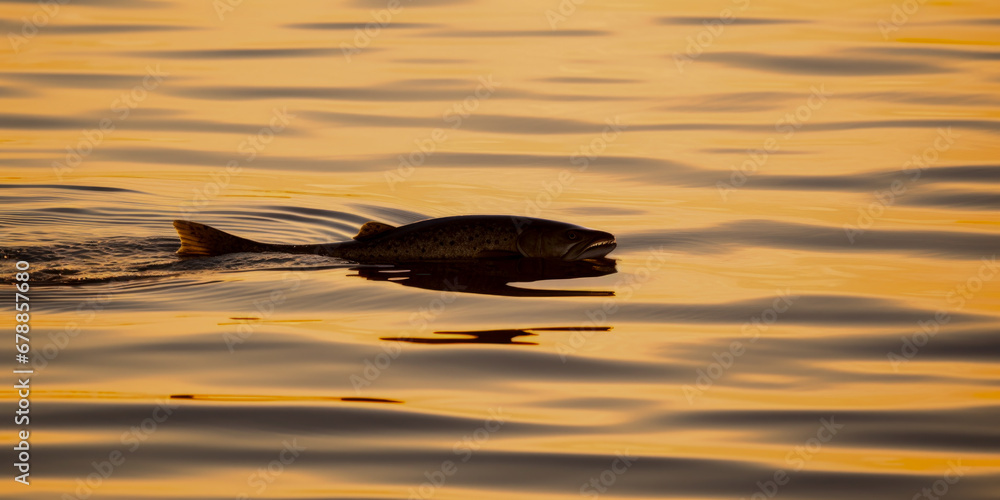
pixel 463 237
pixel 502 277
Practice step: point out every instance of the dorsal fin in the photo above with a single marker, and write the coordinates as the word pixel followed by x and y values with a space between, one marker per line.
pixel 372 229
pixel 199 239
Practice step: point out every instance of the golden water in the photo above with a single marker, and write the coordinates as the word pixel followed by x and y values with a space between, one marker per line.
pixel 800 190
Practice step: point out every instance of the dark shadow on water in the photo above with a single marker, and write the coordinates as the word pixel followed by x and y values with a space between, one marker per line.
pixel 836 65
pixel 704 21
pixel 774 234
pixel 493 277
pixel 244 398
pixel 506 336
pixel 518 33
pixel 471 337
pixel 349 26
pixel 74 80
pixel 237 53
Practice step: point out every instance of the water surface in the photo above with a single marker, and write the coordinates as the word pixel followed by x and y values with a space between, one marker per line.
pixel 805 302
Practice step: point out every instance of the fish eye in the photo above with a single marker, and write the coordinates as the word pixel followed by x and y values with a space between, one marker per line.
pixel 571 235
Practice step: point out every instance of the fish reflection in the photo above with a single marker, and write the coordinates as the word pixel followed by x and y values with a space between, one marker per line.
pixel 493 277
pixel 505 336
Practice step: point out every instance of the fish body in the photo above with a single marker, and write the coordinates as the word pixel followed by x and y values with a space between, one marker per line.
pixel 465 237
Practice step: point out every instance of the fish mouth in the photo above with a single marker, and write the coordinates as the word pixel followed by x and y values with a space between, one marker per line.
pixel 597 248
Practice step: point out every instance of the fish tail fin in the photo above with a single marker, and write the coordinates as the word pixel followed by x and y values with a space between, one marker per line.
pixel 199 239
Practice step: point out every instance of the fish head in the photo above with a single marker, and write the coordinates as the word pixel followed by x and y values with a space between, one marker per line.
pixel 558 240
